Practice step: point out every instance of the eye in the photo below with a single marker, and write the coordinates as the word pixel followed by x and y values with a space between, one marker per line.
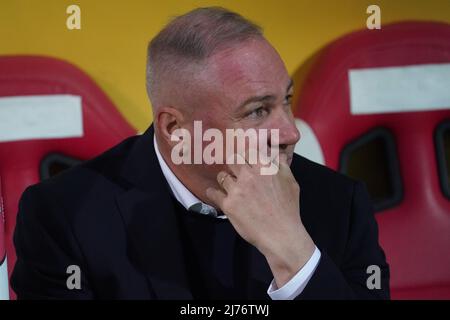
pixel 288 100
pixel 259 112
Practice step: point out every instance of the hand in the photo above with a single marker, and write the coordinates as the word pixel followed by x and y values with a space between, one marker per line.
pixel 265 211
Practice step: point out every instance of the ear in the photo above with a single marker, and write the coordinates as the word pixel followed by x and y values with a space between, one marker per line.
pixel 168 119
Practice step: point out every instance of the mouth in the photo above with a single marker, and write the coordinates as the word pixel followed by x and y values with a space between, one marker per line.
pixel 289 160
pixel 289 157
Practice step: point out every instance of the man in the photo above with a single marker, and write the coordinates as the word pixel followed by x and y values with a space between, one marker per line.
pixel 137 225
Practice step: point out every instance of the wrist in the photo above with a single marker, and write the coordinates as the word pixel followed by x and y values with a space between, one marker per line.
pixel 286 262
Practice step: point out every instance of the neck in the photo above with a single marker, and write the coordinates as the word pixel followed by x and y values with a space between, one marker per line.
pixel 191 175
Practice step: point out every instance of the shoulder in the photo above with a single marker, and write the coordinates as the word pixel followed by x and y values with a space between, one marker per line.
pixel 85 183
pixel 327 195
pixel 319 177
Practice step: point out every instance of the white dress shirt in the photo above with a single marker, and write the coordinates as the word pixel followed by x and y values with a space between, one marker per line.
pixel 292 288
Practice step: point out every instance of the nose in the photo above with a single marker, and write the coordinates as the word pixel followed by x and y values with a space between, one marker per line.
pixel 288 134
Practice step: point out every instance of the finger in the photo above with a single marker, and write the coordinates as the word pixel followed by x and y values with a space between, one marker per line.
pixel 270 166
pixel 241 145
pixel 283 164
pixel 216 196
pixel 250 157
pixel 282 159
pixel 235 163
pixel 225 180
pixel 266 160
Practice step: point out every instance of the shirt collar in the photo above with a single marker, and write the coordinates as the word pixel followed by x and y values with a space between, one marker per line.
pixel 188 200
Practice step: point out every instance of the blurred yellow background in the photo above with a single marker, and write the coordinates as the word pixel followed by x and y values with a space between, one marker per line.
pixel 111 45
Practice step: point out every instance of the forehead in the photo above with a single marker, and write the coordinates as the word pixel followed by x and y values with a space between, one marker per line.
pixel 248 69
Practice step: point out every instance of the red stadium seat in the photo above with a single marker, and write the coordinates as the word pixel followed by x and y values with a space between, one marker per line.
pixel 354 95
pixel 87 123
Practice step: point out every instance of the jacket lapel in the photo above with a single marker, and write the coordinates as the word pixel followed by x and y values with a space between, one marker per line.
pixel 154 244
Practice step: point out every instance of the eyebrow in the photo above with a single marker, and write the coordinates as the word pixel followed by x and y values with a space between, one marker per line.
pixel 268 97
pixel 290 85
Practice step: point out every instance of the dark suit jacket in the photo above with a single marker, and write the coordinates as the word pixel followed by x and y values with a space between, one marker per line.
pixel 113 217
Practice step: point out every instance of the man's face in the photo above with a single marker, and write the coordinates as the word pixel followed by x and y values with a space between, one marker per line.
pixel 247 86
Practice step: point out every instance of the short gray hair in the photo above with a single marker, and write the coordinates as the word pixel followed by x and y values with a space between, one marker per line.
pixel 191 38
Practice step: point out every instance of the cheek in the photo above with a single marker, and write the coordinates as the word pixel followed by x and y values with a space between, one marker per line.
pixel 211 171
